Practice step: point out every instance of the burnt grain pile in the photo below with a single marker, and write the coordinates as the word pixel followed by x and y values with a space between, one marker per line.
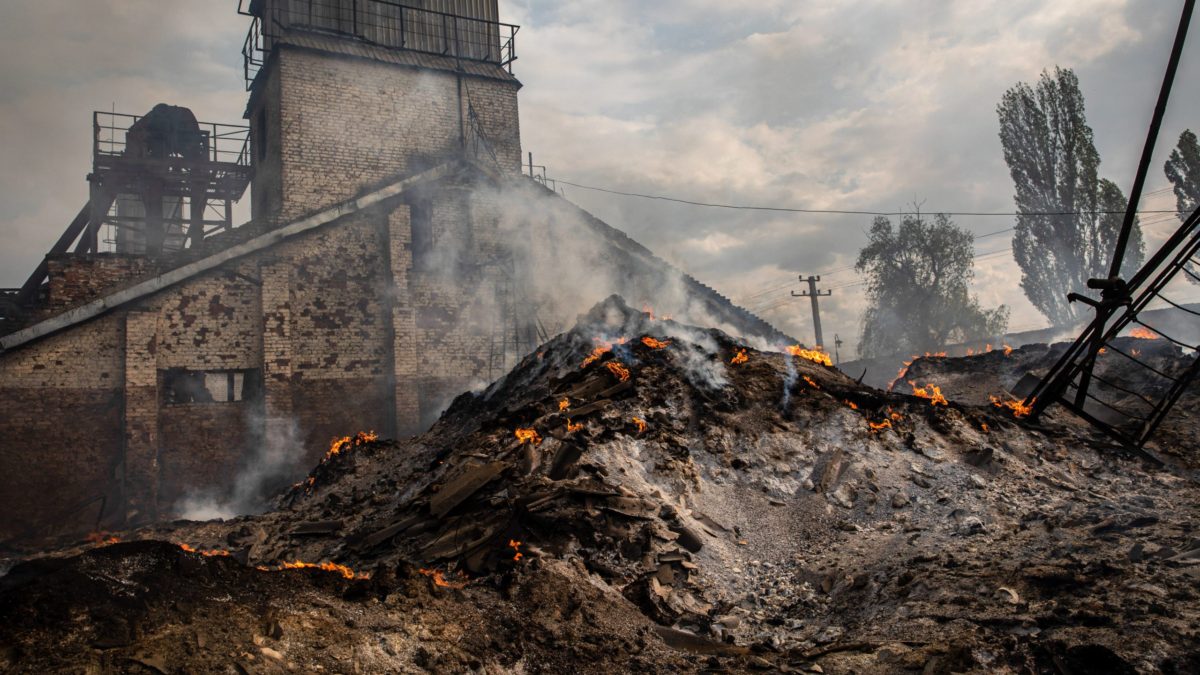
pixel 641 495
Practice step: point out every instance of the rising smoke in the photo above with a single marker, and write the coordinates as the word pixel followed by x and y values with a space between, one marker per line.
pixel 273 456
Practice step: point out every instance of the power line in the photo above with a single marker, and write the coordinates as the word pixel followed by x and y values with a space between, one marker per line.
pixel 784 209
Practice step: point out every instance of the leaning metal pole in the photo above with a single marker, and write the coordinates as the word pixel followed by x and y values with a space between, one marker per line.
pixel 1114 292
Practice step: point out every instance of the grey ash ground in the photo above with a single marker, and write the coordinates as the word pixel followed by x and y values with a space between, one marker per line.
pixel 676 512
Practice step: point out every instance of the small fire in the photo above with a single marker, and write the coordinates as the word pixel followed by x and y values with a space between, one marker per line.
pixel 876 427
pixel 814 355
pixel 811 382
pixel 618 370
pixel 929 391
pixel 988 348
pixel 1103 350
pixel 852 404
pixel 648 310
pixel 102 538
pixel 516 547
pixel 740 358
pixel 984 427
pixel 1018 408
pixel 572 427
pixel 439 579
pixel 652 343
pixel 528 436
pixel 1007 350
pixel 603 347
pixel 970 352
pixel 211 553
pixel 1143 333
pixel 340 445
pixel 564 405
pixel 641 424
pixel 894 416
pixel 595 356
pixel 327 566
pixel 1135 352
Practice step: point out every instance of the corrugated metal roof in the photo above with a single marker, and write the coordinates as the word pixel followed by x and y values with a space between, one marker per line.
pixel 400 57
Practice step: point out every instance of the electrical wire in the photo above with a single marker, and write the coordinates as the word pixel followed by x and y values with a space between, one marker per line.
pixel 784 209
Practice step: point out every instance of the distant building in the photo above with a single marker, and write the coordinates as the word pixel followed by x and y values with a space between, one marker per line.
pixel 397 256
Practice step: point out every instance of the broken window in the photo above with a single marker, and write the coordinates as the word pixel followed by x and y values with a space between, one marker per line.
pixel 209 386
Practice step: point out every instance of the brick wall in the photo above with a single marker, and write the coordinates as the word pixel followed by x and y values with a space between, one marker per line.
pixel 76 279
pixel 345 123
pixel 61 427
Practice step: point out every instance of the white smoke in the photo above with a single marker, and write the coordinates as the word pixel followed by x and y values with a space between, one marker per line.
pixel 275 452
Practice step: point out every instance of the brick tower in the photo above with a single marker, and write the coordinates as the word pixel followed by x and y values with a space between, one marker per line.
pixel 347 93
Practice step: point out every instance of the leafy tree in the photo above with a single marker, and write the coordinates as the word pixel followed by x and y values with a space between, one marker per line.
pixel 1068 219
pixel 917 288
pixel 1183 170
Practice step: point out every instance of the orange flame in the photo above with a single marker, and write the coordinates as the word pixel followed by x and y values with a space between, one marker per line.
pixel 573 427
pixel 1007 350
pixel 340 445
pixel 811 383
pixel 988 348
pixel 564 405
pixel 1135 352
pixel 655 344
pixel 528 436
pixel 102 538
pixel 595 356
pixel 516 547
pixel 1019 408
pixel 739 358
pixel 618 370
pixel 641 424
pixel 604 346
pixel 894 416
pixel 1143 333
pixel 970 352
pixel 929 391
pixel 814 355
pixel 852 404
pixel 439 579
pixel 327 566
pixel 984 427
pixel 876 427
pixel 211 553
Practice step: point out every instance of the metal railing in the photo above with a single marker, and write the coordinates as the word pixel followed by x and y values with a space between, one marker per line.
pixel 1131 403
pixel 382 23
pixel 117 135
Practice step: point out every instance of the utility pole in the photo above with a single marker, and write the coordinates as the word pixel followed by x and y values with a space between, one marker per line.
pixel 812 293
pixel 837 349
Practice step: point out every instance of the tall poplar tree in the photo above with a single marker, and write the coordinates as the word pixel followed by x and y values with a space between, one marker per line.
pixel 1068 218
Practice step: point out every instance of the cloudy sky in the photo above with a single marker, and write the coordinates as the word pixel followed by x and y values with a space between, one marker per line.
pixel 868 105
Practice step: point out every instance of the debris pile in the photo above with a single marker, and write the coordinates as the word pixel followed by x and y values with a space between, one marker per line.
pixel 643 495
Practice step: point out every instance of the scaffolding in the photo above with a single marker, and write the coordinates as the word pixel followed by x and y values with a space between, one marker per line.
pixel 160 183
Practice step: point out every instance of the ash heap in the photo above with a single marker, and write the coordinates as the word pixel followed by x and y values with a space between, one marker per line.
pixel 643 496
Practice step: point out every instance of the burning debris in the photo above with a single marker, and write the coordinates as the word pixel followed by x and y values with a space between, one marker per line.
pixel 674 514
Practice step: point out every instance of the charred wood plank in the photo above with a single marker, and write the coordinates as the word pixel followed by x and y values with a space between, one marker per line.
pixel 459 489
pixel 317 527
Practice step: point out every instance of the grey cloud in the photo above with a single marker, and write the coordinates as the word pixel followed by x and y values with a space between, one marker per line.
pixel 864 106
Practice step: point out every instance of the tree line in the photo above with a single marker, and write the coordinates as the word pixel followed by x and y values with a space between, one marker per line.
pixel 918 273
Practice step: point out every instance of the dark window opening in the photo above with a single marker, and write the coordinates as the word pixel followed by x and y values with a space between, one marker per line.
pixel 210 386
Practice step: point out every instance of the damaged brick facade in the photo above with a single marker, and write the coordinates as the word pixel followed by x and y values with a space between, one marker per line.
pixel 374 321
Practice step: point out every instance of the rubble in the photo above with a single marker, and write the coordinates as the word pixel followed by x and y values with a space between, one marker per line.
pixel 642 495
